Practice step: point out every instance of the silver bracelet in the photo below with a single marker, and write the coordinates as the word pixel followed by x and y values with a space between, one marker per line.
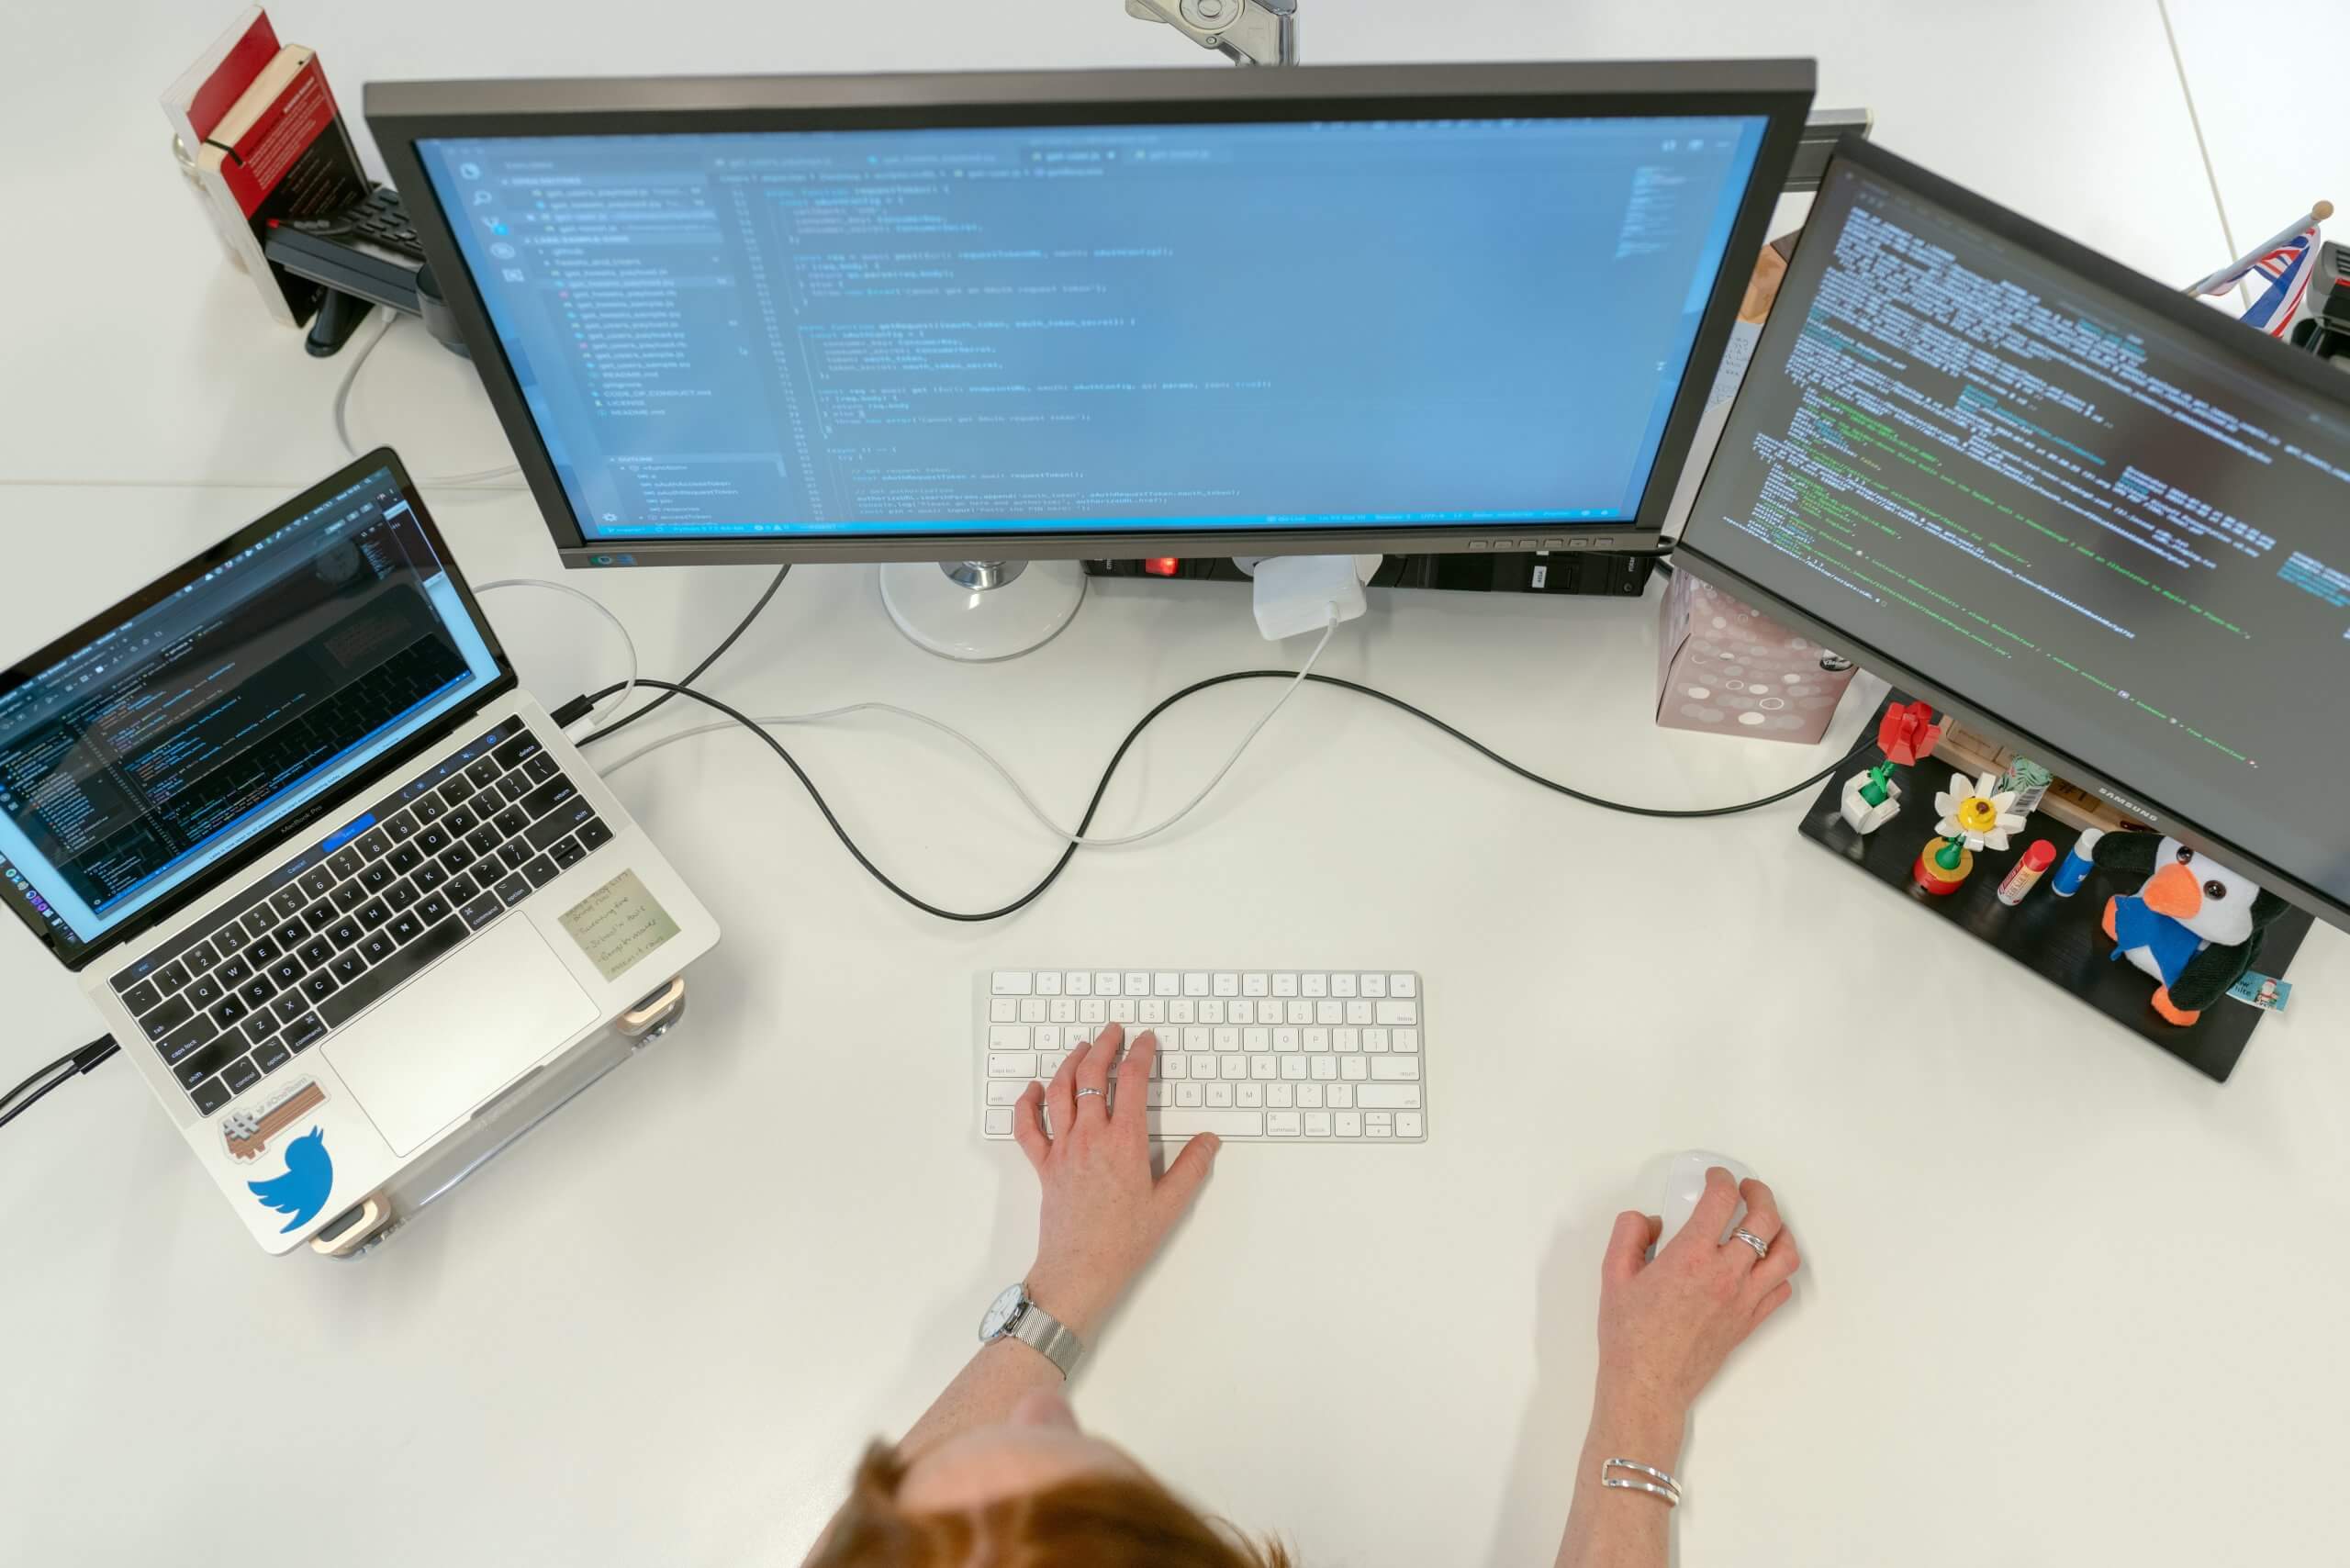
pixel 1670 1490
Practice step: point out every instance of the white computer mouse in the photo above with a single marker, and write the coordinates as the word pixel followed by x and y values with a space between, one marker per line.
pixel 1684 1183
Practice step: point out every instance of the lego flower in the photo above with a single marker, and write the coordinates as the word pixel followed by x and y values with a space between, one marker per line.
pixel 1976 813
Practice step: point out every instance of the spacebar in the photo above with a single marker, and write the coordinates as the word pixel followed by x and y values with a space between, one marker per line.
pixel 1176 1122
pixel 401 967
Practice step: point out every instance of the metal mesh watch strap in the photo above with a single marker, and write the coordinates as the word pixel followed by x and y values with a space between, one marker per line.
pixel 1049 1337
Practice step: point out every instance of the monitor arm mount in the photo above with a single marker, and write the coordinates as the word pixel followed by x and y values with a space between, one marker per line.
pixel 1249 32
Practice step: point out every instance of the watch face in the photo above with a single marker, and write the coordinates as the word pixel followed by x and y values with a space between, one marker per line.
pixel 1003 1311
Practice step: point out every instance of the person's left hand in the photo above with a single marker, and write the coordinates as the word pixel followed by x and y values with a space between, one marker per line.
pixel 1104 1216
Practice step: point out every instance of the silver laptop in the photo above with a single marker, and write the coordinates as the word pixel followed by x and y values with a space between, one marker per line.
pixel 333 881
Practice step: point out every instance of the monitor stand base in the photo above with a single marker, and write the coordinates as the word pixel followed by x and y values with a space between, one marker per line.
pixel 981 610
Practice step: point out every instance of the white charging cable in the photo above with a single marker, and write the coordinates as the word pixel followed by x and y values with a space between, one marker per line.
pixel 628 688
pixel 343 413
pixel 1006 773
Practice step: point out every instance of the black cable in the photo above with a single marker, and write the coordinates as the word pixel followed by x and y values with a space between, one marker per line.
pixel 625 719
pixel 73 1064
pixel 1101 789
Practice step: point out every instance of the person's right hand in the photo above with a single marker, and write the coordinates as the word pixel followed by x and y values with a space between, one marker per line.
pixel 1666 1324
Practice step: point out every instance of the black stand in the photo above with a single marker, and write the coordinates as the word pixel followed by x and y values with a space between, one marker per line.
pixel 339 316
pixel 2061 940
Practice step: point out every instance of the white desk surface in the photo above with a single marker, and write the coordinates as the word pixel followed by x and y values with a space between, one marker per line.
pixel 2066 1301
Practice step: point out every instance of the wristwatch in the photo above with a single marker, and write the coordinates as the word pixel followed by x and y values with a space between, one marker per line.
pixel 1013 1316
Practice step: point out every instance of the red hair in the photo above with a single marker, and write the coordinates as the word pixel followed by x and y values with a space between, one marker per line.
pixel 1092 1522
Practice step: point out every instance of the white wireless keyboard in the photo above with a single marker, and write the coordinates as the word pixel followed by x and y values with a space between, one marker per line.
pixel 1274 1056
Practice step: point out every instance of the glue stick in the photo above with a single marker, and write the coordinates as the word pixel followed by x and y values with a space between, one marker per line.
pixel 2077 866
pixel 2027 871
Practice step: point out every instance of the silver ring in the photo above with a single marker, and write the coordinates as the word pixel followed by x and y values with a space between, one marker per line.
pixel 1762 1247
pixel 1083 1092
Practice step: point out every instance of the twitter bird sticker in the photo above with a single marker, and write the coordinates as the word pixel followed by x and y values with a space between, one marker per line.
pixel 302 1191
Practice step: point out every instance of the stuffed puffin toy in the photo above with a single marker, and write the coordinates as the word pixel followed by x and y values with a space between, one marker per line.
pixel 2193 924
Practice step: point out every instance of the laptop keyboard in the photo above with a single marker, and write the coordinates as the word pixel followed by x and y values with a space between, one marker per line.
pixel 367 908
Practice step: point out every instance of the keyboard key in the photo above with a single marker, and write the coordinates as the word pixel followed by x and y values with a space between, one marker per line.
pixel 346 934
pixel 461 891
pixel 200 958
pixel 1394 1011
pixel 483 772
pixel 320 986
pixel 459 823
pixel 568 853
pixel 509 821
pixel 404 928
pixel 241 1075
pixel 1375 985
pixel 304 1033
pixel 1281 1124
pixel 432 841
pixel 171 978
pixel 547 797
pixel 186 1040
pixel 348 967
pixel 432 911
pixel 1284 985
pixel 515 853
pixel 513 890
pixel 374 913
pixel 381 874
pixel 349 896
pixel 290 1005
pixel 272 1056
pixel 204 991
pixel 259 920
pixel 540 768
pixel 287 970
pixel 395 970
pixel 261 954
pixel 209 1095
pixel 1176 1122
pixel 345 863
pixel 1403 985
pixel 594 835
pixel 407 856
pixel 430 875
pixel 318 917
pixel 540 871
pixel 1353 1070
pixel 261 1027
pixel 257 991
pixel 376 946
pixel 1317 985
pixel 1388 1096
pixel 400 894
pixel 288 902
pixel 481 911
pixel 558 823
pixel 514 786
pixel 398 828
pixel 373 844
pixel 518 751
pixel 459 789
pixel 1349 1123
pixel 166 1017
pixel 484 839
pixel 1021 1065
pixel 142 996
pixel 458 858
pixel 202 1063
pixel 1408 1124
pixel 429 809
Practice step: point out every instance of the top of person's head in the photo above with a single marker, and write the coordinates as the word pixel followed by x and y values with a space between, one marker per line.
pixel 1088 1517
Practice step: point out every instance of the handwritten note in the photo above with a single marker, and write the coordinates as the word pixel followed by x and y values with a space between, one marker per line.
pixel 619 924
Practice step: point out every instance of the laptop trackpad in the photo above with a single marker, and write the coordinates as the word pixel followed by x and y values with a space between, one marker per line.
pixel 461 1031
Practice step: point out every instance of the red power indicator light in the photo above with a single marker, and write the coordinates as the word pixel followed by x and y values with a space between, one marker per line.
pixel 1161 566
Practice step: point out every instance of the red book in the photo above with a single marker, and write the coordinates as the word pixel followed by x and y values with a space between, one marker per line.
pixel 281 151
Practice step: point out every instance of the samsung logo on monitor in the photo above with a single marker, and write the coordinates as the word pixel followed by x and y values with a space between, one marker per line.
pixel 2133 807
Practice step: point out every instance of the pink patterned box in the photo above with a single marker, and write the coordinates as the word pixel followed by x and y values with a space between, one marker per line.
pixel 1724 665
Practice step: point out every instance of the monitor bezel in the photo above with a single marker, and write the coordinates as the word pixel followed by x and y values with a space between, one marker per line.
pixel 402 114
pixel 2260 355
pixel 76 954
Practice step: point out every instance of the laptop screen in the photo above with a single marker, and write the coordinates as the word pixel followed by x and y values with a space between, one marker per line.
pixel 198 717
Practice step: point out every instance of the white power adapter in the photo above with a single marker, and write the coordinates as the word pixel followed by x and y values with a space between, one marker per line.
pixel 1296 594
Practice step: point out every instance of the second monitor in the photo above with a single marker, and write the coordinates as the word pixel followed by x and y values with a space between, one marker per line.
pixel 1097 314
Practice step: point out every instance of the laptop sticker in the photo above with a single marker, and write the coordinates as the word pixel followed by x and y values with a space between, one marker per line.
pixel 302 1191
pixel 619 924
pixel 249 1130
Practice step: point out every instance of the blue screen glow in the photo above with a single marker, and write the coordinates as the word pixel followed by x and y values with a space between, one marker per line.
pixel 921 331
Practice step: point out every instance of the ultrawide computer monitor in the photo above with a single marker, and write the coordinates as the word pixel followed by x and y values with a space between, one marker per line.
pixel 2104 523
pixel 1011 317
